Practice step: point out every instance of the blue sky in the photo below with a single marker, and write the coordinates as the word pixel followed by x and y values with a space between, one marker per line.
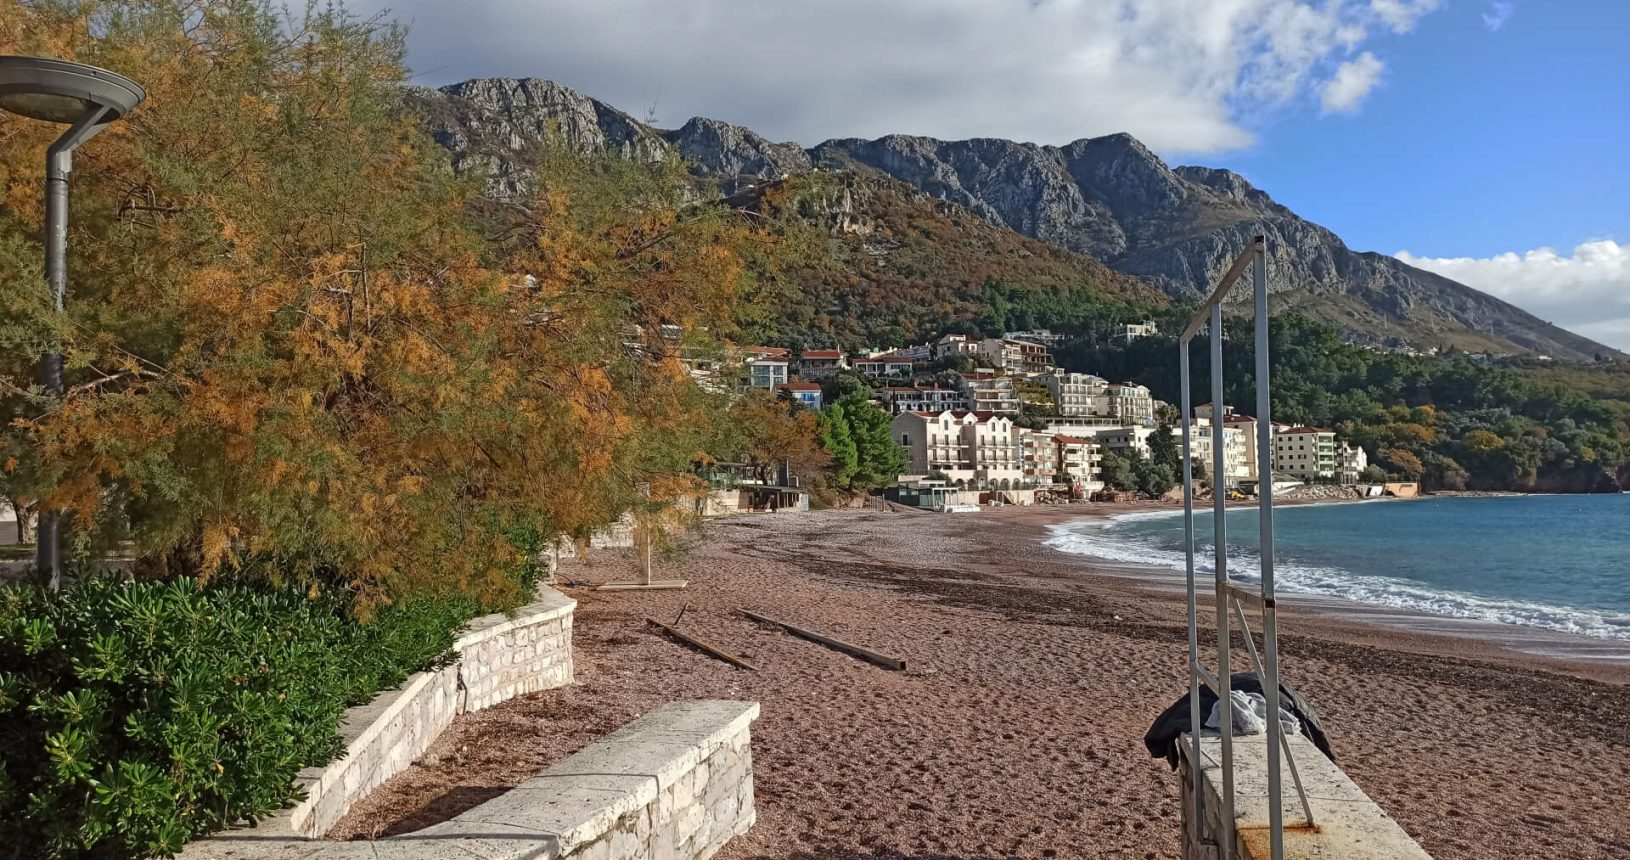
pixel 1483 139
pixel 1476 142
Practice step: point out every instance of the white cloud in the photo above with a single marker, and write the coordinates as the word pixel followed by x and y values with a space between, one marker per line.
pixel 1352 82
pixel 1401 15
pixel 1587 291
pixel 1185 76
pixel 1498 13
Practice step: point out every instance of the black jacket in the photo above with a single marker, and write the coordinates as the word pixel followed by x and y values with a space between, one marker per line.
pixel 1161 738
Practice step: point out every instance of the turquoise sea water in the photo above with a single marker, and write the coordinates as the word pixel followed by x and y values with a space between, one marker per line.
pixel 1558 562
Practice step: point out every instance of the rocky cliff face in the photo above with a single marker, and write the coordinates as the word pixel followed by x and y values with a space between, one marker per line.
pixel 1108 197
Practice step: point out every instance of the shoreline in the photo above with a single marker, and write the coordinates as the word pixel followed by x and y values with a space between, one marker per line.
pixel 1016 729
pixel 1600 658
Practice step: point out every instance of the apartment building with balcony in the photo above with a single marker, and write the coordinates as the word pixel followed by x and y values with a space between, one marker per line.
pixel 1350 463
pixel 1130 404
pixel 890 364
pixel 969 448
pixel 1078 395
pixel 1236 445
pixel 820 363
pixel 1308 453
pixel 898 399
pixel 1045 337
pixel 1124 439
pixel 767 366
pixel 803 393
pixel 987 392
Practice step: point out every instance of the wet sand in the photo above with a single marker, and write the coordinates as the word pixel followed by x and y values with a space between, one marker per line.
pixel 1017 729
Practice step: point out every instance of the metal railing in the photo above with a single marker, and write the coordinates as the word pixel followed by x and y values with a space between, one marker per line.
pixel 1227 593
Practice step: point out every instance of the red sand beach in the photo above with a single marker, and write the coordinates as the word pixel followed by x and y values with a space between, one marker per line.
pixel 1017 729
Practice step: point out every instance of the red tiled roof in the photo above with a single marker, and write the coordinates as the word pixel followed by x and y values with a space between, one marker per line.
pixel 768 351
pixel 1071 440
pixel 821 353
pixel 799 386
pixel 1307 430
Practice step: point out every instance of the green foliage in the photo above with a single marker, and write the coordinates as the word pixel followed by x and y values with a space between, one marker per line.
pixel 900 267
pixel 1117 470
pixel 839 442
pixel 1163 449
pixel 140 714
pixel 858 435
pixel 1446 421
pixel 298 344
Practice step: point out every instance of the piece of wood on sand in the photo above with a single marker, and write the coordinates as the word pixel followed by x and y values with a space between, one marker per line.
pixel 701 645
pixel 849 648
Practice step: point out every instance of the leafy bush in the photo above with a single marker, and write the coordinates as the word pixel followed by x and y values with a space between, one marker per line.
pixel 134 716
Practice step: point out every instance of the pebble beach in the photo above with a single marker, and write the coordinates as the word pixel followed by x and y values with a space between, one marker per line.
pixel 1031 675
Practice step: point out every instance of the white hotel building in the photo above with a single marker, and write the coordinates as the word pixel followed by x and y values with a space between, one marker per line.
pixel 971 448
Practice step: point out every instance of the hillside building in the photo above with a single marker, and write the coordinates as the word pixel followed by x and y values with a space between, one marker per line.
pixel 967 448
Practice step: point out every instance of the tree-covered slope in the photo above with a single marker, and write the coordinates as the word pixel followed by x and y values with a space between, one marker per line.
pixel 898 266
pixel 1448 421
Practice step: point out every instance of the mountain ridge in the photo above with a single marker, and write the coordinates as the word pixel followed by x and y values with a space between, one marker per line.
pixel 1107 197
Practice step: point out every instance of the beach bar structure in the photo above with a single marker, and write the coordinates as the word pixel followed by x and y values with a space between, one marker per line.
pixel 1231 596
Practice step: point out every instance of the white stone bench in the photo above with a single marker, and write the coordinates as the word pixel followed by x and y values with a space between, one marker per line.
pixel 1350 825
pixel 675 784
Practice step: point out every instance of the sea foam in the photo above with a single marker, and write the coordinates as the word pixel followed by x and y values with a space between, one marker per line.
pixel 1100 539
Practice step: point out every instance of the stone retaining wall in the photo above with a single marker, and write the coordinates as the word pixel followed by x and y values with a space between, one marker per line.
pixel 1348 824
pixel 499 657
pixel 675 784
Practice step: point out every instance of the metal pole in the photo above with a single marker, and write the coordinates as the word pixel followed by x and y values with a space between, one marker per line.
pixel 1196 763
pixel 58 164
pixel 1219 501
pixel 1270 628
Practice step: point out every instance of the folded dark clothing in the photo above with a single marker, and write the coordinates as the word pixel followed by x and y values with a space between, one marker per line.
pixel 1161 739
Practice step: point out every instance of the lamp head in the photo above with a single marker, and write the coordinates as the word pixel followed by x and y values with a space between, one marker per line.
pixel 64 92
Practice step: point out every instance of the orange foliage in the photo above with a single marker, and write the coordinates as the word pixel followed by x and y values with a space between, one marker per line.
pixel 291 350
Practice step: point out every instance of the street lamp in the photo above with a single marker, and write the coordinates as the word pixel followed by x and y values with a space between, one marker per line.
pixel 87 100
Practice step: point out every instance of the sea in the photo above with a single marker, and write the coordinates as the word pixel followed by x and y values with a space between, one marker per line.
pixel 1554 562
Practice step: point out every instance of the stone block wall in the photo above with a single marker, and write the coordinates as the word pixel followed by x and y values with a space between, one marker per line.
pixel 675 784
pixel 1347 823
pixel 499 657
pixel 502 657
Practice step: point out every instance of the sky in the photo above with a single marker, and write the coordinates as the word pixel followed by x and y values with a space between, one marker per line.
pixel 1482 139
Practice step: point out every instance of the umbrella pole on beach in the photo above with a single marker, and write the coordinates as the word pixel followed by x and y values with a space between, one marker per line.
pixel 645 583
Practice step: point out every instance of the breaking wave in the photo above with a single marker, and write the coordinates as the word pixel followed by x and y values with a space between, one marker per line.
pixel 1103 539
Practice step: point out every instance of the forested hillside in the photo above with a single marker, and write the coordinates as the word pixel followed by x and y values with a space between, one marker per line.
pixel 1448 421
pixel 890 266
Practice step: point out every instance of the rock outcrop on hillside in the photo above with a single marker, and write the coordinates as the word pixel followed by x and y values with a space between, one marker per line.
pixel 1108 197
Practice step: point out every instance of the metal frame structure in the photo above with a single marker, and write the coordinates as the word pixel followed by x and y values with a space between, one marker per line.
pixel 1230 595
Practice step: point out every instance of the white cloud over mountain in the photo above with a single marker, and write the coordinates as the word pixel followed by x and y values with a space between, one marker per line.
pixel 1353 80
pixel 1185 76
pixel 1587 291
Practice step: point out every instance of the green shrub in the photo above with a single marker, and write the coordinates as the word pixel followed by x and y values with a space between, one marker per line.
pixel 134 716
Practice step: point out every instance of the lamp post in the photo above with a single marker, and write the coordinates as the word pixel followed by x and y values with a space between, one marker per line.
pixel 87 100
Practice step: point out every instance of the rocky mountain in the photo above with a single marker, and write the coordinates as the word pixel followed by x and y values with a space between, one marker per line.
pixel 1107 197
pixel 901 266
